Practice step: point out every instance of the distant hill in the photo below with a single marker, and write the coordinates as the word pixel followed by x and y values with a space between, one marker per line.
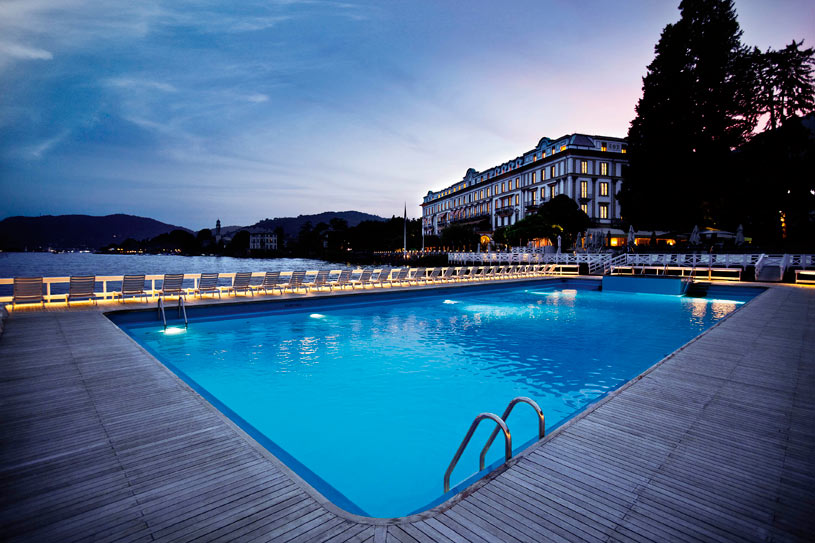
pixel 77 231
pixel 292 225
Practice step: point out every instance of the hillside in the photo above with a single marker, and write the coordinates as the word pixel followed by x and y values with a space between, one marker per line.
pixel 292 225
pixel 76 231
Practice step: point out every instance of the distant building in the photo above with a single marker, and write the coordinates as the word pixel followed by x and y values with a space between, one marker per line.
pixel 586 168
pixel 262 240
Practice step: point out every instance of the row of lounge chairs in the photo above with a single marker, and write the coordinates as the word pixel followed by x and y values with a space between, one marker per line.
pixel 30 289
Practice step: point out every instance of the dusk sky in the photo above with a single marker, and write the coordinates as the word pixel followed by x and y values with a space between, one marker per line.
pixel 188 111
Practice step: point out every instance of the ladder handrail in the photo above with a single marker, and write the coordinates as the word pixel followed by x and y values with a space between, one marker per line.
pixel 507 443
pixel 182 308
pixel 161 312
pixel 515 401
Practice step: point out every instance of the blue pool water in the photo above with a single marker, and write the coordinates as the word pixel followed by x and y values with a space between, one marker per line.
pixel 368 397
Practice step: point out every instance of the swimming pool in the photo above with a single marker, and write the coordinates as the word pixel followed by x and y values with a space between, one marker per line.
pixel 368 397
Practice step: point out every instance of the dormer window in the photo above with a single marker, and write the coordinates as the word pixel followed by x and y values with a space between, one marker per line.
pixel 603 146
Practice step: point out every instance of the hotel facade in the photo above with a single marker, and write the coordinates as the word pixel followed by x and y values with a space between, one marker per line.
pixel 586 168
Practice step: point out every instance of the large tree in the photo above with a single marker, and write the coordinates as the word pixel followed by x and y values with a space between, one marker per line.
pixel 698 104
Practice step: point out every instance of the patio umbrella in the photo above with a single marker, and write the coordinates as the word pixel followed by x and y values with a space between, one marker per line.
pixel 558 244
pixel 740 235
pixel 631 235
pixel 694 238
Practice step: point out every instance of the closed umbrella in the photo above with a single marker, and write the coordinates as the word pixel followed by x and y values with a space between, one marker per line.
pixel 558 244
pixel 740 236
pixel 694 236
pixel 631 235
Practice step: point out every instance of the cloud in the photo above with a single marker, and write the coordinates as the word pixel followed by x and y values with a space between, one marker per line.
pixel 23 52
pixel 131 83
pixel 38 150
pixel 257 98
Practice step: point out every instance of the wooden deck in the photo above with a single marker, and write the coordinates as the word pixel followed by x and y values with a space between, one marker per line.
pixel 717 443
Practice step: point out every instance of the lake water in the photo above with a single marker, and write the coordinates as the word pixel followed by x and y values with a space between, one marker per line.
pixel 67 264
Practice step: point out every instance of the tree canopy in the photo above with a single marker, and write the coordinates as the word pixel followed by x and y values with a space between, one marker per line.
pixel 703 96
pixel 560 216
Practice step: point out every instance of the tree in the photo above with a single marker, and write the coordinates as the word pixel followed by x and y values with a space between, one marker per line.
pixel 785 81
pixel 565 218
pixel 459 237
pixel 698 104
pixel 532 227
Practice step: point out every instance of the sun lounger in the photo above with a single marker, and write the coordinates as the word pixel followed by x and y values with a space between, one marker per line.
pixel 400 278
pixel 416 276
pixel 81 287
pixel 270 281
pixel 340 281
pixel 433 276
pixel 320 281
pixel 296 281
pixel 446 275
pixel 133 285
pixel 478 273
pixel 380 278
pixel 208 283
pixel 172 286
pixel 242 282
pixel 362 279
pixel 27 290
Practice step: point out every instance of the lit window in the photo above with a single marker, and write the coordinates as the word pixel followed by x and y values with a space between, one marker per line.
pixel 533 177
pixel 562 147
pixel 604 211
pixel 517 182
pixel 584 189
pixel 584 166
pixel 584 208
pixel 603 146
pixel 516 199
pixel 552 171
pixel 604 188
pixel 604 168
pixel 623 150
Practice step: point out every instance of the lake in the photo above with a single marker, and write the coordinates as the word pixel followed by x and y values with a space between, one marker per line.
pixel 67 264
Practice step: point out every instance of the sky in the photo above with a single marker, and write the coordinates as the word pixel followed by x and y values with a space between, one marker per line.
pixel 188 111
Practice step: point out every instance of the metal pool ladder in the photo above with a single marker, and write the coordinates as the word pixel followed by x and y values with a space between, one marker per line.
pixel 182 310
pixel 501 426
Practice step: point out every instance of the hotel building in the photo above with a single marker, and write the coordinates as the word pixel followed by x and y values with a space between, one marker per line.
pixel 586 168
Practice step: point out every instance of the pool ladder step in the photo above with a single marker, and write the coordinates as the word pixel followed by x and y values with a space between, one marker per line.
pixel 501 426
pixel 182 311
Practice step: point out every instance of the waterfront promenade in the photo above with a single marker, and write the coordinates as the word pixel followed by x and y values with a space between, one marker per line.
pixel 716 443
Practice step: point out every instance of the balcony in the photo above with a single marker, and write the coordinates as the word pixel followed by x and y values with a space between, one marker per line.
pixel 506 211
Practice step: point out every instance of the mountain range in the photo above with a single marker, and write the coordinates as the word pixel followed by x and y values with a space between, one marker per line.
pixel 292 225
pixel 77 231
pixel 90 232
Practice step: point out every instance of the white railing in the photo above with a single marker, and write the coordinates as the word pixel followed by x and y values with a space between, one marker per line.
pixel 604 261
